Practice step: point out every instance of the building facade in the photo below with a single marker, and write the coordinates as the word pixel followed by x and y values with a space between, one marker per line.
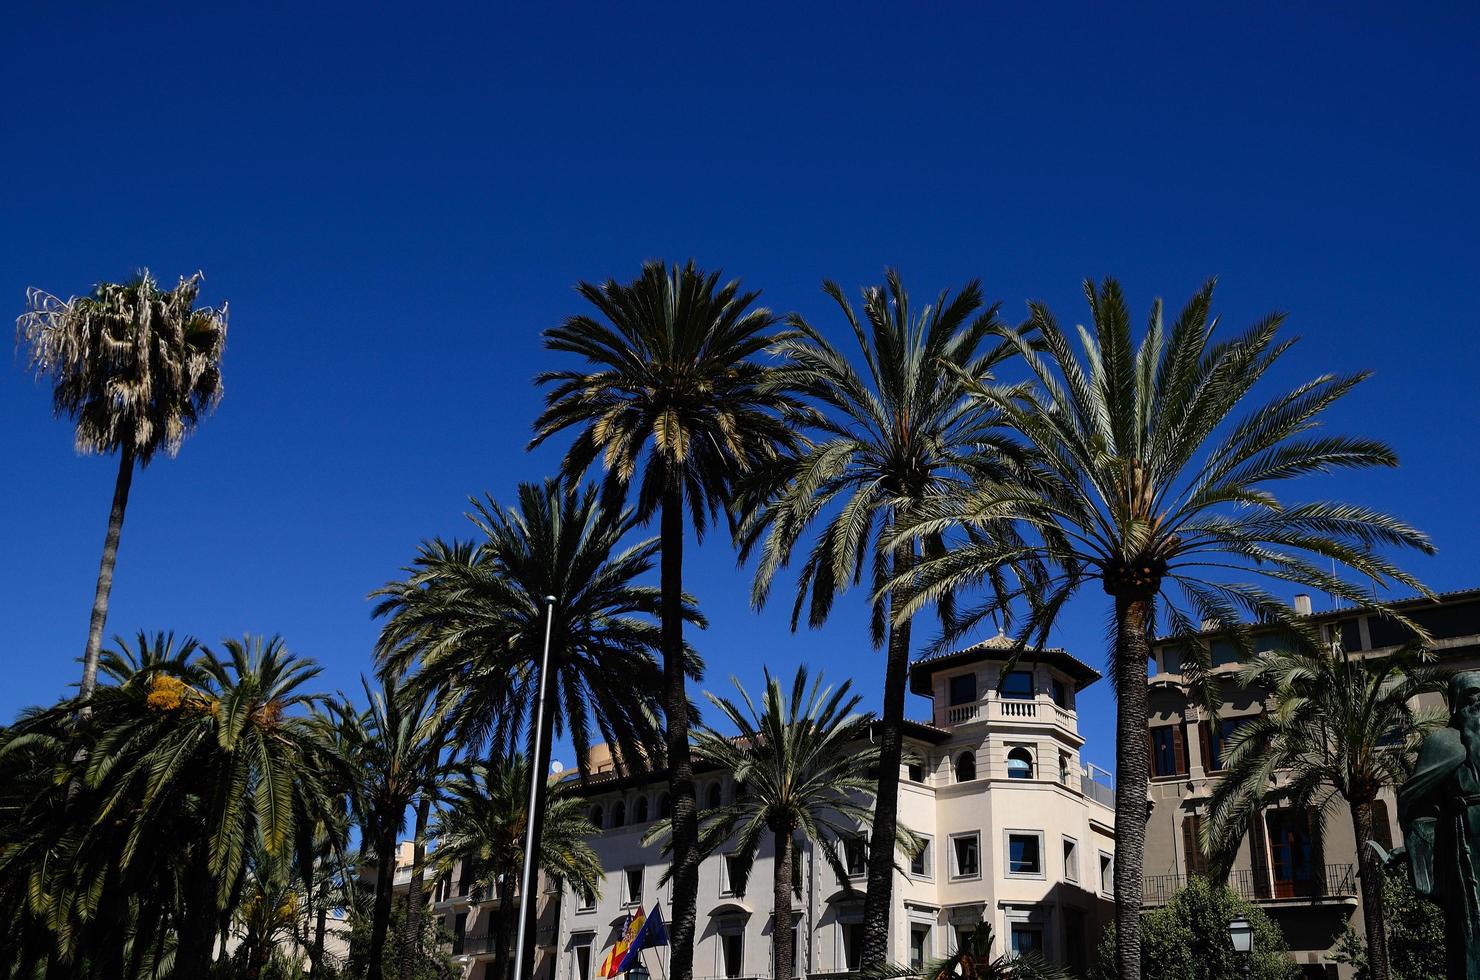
pixel 1303 875
pixel 1020 833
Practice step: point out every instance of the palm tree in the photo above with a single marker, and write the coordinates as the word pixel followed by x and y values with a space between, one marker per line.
pixel 1143 482
pixel 674 390
pixel 1342 728
pixel 800 764
pixel 472 620
pixel 395 745
pixel 483 827
pixel 901 430
pixel 135 367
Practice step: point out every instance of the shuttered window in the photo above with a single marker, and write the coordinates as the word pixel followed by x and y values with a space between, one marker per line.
pixel 1168 750
pixel 1192 855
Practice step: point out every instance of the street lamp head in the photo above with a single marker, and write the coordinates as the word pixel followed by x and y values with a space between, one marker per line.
pixel 1241 933
pixel 549 600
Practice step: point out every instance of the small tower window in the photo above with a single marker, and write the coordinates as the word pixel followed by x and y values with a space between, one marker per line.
pixel 1020 764
pixel 965 767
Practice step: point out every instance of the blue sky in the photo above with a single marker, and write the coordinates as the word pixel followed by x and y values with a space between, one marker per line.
pixel 397 202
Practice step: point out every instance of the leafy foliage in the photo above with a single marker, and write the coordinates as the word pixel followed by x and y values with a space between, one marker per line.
pixel 1415 933
pixel 976 961
pixel 1188 937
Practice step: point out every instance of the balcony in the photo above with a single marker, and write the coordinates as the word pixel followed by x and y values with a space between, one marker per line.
pixel 1334 881
pixel 1040 710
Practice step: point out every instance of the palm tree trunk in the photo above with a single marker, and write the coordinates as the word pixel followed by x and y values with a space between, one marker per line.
pixel 321 926
pixel 1370 870
pixel 105 578
pixel 411 944
pixel 385 849
pixel 676 709
pixel 1132 653
pixel 781 905
pixel 505 928
pixel 529 890
pixel 878 902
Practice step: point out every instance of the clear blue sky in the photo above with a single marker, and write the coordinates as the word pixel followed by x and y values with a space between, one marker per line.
pixel 397 203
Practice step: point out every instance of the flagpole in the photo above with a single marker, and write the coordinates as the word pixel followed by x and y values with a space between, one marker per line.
pixel 527 884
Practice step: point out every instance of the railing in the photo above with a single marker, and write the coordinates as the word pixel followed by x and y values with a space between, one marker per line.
pixel 962 713
pixel 1097 784
pixel 1012 708
pixel 1332 881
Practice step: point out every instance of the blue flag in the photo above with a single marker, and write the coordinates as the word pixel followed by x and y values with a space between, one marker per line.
pixel 652 933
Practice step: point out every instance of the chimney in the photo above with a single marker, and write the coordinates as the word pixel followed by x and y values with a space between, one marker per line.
pixel 1302 604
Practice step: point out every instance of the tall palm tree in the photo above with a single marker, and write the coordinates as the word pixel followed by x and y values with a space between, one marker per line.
pixel 896 431
pixel 135 367
pixel 674 390
pixel 1343 728
pixel 799 763
pixel 1143 482
pixel 483 829
pixel 472 619
pixel 395 746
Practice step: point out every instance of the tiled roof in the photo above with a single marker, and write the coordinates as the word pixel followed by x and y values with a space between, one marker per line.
pixel 925 666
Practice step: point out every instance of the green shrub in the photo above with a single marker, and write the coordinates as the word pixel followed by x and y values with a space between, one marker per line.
pixel 1188 937
pixel 1415 930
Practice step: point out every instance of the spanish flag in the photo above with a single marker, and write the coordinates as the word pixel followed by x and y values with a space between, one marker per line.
pixel 613 963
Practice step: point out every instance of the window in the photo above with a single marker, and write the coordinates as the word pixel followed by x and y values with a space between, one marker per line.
pixel 1020 763
pixel 919 945
pixel 640 811
pixel 921 864
pixel 729 876
pixel 595 816
pixel 459 932
pixel 1060 692
pixel 915 771
pixel 1071 859
pixel 1107 873
pixel 1215 745
pixel 619 813
pixel 852 944
pixel 731 951
pixel 585 902
pixel 1018 684
pixel 963 689
pixel 581 962
pixel 1025 853
pixel 966 858
pixel 665 806
pixel 965 767
pixel 1076 941
pixel 855 855
pixel 632 886
pixel 963 936
pixel 712 797
pixel 1026 939
pixel 1168 751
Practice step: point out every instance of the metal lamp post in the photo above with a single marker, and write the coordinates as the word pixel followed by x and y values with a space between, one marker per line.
pixel 527 883
pixel 1241 934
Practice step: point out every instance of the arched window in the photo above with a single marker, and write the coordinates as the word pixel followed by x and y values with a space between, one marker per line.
pixel 619 813
pixel 712 799
pixel 665 806
pixel 640 811
pixel 595 816
pixel 1020 764
pixel 965 767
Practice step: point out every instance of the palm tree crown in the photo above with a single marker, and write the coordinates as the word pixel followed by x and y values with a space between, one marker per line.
pixel 1342 729
pixel 898 431
pixel 1140 478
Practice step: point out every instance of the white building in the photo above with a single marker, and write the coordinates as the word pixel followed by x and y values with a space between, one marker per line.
pixel 1020 832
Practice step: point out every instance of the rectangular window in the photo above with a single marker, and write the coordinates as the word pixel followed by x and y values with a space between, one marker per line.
pixel 963 689
pixel 728 876
pixel 632 886
pixel 1026 939
pixel 1168 751
pixel 915 771
pixel 921 864
pixel 1025 853
pixel 1215 745
pixel 585 903
pixel 731 953
pixel 1018 684
pixel 459 932
pixel 966 856
pixel 1107 874
pixel 855 856
pixel 853 944
pixel 963 936
pixel 1071 859
pixel 581 962
pixel 919 945
pixel 1060 693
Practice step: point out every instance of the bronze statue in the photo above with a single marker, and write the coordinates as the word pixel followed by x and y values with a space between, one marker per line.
pixel 1439 811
